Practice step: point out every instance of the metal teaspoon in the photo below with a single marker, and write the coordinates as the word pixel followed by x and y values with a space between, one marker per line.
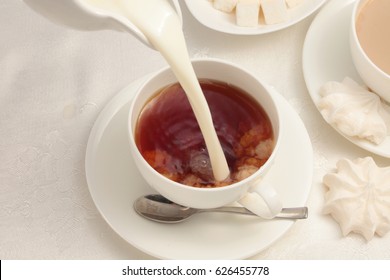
pixel 157 208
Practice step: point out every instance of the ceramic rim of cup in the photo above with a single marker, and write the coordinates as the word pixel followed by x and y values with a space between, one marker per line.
pixel 247 180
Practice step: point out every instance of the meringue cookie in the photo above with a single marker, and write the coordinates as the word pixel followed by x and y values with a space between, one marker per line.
pixel 355 111
pixel 358 197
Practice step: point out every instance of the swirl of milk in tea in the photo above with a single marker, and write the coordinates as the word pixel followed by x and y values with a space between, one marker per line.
pixel 160 24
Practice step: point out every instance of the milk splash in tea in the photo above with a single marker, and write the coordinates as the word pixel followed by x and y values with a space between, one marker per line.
pixel 169 138
pixel 160 24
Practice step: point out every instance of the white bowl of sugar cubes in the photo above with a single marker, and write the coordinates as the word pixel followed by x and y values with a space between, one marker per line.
pixel 251 17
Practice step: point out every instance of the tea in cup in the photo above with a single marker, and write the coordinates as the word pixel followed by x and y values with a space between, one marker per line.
pixel 169 150
pixel 370 44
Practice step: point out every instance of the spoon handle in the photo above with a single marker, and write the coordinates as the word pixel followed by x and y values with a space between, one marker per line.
pixel 294 213
pixel 286 213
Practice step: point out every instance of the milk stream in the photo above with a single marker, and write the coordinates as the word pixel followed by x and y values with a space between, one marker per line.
pixel 161 25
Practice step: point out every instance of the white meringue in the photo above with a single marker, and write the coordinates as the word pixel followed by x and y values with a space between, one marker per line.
pixel 358 197
pixel 355 111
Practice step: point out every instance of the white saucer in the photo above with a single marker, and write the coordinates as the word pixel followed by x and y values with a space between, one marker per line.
pixel 326 57
pixel 206 14
pixel 114 183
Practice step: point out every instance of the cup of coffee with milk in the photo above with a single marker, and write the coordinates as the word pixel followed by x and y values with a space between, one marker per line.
pixel 370 44
pixel 169 149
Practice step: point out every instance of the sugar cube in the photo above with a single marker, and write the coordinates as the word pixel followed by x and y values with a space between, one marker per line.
pixel 293 3
pixel 247 13
pixel 275 11
pixel 225 5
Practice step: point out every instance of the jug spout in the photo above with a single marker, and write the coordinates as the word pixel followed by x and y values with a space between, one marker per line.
pixel 77 15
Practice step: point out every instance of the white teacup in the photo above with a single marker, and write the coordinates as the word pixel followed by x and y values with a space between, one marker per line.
pixel 251 193
pixel 374 77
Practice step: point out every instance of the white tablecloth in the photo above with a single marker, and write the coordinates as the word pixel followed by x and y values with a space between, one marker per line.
pixel 53 84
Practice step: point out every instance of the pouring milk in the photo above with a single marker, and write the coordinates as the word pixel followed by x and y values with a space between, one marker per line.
pixel 160 24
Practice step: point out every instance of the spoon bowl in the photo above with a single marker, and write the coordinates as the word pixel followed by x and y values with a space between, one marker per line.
pixel 157 208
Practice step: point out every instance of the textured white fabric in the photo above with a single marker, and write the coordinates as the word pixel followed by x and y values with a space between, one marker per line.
pixel 53 84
